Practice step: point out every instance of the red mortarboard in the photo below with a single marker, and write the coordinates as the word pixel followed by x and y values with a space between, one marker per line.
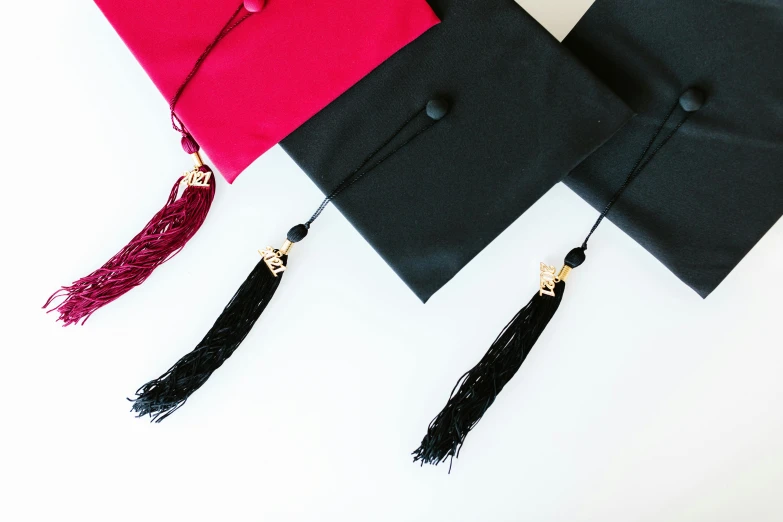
pixel 239 77
pixel 272 74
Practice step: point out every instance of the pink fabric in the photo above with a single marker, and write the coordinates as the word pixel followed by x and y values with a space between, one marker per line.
pixel 270 75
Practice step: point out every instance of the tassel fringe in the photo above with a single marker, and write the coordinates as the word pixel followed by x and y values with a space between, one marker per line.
pixel 160 240
pixel 477 389
pixel 161 397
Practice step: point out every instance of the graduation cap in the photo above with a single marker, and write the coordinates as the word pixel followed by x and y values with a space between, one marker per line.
pixel 704 203
pixel 524 114
pixel 430 156
pixel 239 77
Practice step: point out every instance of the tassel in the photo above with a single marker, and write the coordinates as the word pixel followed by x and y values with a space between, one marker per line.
pixel 167 232
pixel 161 397
pixel 477 389
pixel 160 240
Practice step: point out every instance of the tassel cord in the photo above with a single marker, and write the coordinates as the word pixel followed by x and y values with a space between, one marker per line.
pixel 229 26
pixel 356 175
pixel 640 165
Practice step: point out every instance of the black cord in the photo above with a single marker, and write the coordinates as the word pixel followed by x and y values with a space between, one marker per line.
pixel 357 174
pixel 640 165
pixel 176 123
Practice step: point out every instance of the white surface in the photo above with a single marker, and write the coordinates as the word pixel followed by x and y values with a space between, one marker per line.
pixel 641 401
pixel 559 16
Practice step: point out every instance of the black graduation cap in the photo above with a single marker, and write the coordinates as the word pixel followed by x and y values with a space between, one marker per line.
pixel 523 113
pixel 717 187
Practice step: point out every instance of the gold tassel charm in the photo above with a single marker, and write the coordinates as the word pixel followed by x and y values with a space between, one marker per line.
pixel 547 279
pixel 199 176
pixel 274 258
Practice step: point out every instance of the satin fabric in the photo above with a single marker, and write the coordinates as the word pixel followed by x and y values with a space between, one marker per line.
pixel 523 114
pixel 717 187
pixel 269 75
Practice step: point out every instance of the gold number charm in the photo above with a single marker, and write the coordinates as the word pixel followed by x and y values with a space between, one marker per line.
pixel 272 258
pixel 546 285
pixel 196 178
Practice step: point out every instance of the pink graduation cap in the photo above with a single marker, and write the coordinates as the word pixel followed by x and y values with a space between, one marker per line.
pixel 239 77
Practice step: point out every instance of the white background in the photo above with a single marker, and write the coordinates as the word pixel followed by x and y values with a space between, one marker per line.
pixel 640 402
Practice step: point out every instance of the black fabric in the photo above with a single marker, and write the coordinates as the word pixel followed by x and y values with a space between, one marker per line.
pixel 522 114
pixel 717 187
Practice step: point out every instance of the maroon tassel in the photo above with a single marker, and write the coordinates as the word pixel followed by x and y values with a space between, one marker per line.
pixel 160 240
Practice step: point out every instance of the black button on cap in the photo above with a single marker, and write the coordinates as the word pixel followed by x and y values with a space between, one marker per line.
pixel 437 108
pixel 692 99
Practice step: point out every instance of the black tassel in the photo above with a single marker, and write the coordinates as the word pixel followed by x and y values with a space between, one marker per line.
pixel 161 397
pixel 477 389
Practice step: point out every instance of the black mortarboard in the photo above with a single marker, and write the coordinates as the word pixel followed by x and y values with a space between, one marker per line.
pixel 523 114
pixel 717 188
